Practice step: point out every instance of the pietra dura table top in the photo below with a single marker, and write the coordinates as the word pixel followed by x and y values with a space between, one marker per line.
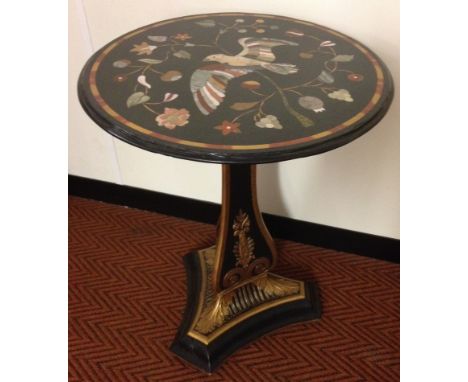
pixel 237 89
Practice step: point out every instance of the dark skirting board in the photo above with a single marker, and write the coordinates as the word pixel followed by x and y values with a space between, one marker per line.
pixel 364 244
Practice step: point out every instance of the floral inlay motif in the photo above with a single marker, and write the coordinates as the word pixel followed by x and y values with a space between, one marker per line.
pixel 173 117
pixel 227 127
pixel 182 36
pixel 270 122
pixel 143 48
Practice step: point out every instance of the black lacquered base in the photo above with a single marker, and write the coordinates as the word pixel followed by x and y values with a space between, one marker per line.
pixel 214 327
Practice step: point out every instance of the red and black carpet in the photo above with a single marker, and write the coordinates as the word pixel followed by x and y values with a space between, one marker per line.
pixel 127 296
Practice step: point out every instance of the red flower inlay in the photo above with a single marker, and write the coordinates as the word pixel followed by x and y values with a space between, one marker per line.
pixel 227 127
pixel 355 77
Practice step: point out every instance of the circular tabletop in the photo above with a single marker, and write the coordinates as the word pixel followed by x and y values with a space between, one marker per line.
pixel 235 88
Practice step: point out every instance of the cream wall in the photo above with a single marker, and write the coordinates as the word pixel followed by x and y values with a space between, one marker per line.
pixel 354 187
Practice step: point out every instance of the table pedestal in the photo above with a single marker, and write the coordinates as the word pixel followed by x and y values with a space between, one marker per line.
pixel 233 298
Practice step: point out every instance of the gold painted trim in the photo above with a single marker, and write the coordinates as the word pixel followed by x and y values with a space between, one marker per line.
pixel 244 247
pixel 374 98
pixel 261 308
pixel 223 227
pixel 241 283
pixel 204 258
pixel 201 297
pixel 206 339
pixel 225 218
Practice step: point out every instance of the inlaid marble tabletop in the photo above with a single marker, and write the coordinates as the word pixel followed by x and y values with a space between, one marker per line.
pixel 237 89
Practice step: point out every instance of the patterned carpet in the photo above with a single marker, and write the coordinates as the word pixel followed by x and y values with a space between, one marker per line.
pixel 127 296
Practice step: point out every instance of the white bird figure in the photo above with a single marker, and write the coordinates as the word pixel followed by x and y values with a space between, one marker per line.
pixel 208 83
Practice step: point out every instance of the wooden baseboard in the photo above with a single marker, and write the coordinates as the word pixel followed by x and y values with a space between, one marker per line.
pixel 364 244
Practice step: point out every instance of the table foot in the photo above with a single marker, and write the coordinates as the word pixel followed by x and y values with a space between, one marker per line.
pixel 216 324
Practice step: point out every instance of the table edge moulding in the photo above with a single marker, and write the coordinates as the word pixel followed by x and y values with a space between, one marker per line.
pixel 337 136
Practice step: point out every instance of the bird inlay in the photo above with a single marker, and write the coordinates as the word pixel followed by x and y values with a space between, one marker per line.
pixel 208 83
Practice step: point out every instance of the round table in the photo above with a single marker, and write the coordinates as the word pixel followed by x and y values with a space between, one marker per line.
pixel 237 89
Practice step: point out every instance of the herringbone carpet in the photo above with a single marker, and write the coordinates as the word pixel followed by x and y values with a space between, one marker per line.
pixel 127 295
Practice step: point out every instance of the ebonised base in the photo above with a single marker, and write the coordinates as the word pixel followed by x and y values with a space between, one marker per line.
pixel 279 302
